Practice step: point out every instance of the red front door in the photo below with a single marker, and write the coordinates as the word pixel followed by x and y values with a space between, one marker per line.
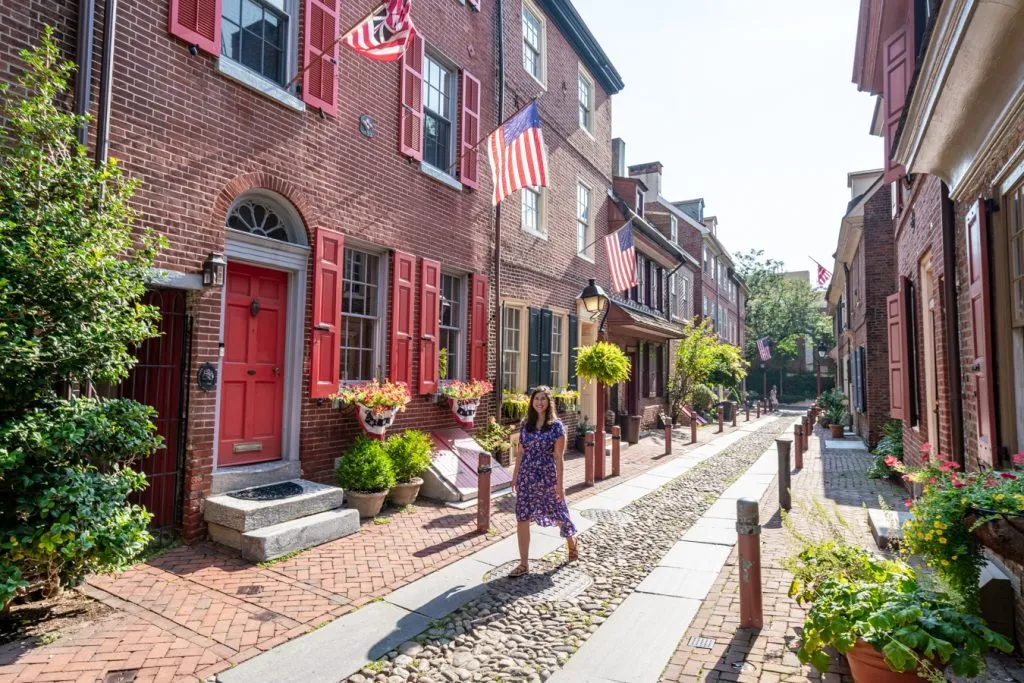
pixel 252 388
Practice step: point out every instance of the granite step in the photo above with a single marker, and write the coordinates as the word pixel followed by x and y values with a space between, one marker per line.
pixel 227 512
pixel 274 541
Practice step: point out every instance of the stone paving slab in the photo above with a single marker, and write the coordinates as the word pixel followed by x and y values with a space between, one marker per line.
pixel 439 594
pixel 699 533
pixel 335 651
pixel 745 488
pixel 626 493
pixel 722 509
pixel 680 583
pixel 649 481
pixel 845 445
pixel 698 556
pixel 581 523
pixel 508 549
pixel 676 468
pixel 602 502
pixel 633 644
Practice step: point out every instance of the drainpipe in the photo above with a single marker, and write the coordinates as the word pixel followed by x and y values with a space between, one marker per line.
pixel 951 328
pixel 106 82
pixel 83 77
pixel 497 210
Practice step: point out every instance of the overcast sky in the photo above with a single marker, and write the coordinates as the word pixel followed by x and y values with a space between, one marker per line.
pixel 748 104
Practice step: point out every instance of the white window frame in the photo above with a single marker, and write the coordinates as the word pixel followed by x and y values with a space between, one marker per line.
pixel 459 370
pixel 380 351
pixel 673 297
pixel 454 114
pixel 673 224
pixel 520 353
pixel 587 253
pixel 585 78
pixel 541 230
pixel 529 6
pixel 562 378
pixel 684 299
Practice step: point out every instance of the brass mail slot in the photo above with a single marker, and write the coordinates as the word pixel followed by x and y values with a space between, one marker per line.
pixel 251 447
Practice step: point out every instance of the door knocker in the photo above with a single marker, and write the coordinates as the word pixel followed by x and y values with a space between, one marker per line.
pixel 254 307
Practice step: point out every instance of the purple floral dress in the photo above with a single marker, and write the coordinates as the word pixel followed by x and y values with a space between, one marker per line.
pixel 535 489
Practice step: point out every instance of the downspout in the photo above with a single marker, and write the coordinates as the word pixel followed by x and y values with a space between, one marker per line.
pixel 106 82
pixel 956 407
pixel 83 77
pixel 497 212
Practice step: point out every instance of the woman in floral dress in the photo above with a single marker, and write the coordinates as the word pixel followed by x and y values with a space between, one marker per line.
pixel 537 478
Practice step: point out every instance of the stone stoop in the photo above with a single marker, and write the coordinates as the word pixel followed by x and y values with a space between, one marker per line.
pixel 265 529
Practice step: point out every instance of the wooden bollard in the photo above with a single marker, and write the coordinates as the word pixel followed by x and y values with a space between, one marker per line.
pixel 588 459
pixel 668 437
pixel 616 445
pixel 735 412
pixel 783 446
pixel 693 428
pixel 758 406
pixel 798 445
pixel 747 409
pixel 748 532
pixel 483 493
pixel 721 419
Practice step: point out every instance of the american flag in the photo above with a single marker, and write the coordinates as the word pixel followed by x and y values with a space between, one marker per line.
pixel 763 350
pixel 823 275
pixel 621 258
pixel 385 34
pixel 516 152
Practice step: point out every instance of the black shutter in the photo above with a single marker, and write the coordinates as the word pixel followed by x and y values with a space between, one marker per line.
pixel 574 341
pixel 855 399
pixel 533 351
pixel 863 381
pixel 661 371
pixel 545 347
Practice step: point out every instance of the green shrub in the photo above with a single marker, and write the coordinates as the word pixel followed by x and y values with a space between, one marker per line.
pixel 702 398
pixel 409 453
pixel 366 467
pixel 888 447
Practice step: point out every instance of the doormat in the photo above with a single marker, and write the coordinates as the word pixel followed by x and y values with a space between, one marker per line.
pixel 280 491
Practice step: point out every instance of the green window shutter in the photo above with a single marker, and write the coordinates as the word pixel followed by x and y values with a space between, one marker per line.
pixel 545 347
pixel 574 341
pixel 533 350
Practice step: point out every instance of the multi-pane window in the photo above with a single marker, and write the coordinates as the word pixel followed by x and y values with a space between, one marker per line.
pixel 684 310
pixel 557 331
pixel 583 238
pixel 360 314
pixel 452 308
pixel 438 104
pixel 254 34
pixel 1017 256
pixel 673 296
pixel 586 102
pixel 511 344
pixel 674 228
pixel 707 261
pixel 531 204
pixel 533 43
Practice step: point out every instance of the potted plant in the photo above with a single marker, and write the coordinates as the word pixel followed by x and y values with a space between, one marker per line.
pixel 366 474
pixel 602 362
pixel 409 453
pixel 495 440
pixel 835 418
pixel 376 403
pixel 464 398
pixel 566 399
pixel 514 405
pixel 582 430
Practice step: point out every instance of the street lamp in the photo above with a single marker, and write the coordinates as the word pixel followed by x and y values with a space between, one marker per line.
pixel 822 352
pixel 595 301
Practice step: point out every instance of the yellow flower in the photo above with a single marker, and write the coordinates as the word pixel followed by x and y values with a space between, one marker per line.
pixel 945 563
pixel 939 532
pixel 954 557
pixel 928 536
pixel 942 540
pixel 963 501
pixel 998 496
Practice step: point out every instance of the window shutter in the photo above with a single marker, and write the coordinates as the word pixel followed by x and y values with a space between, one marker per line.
pixel 478 329
pixel 197 22
pixel 863 380
pixel 470 130
pixel 896 71
pixel 430 324
pixel 660 391
pixel 533 351
pixel 325 354
pixel 403 283
pixel 574 341
pixel 979 276
pixel 320 56
pixel 545 347
pixel 910 352
pixel 410 113
pixel 897 385
pixel 645 354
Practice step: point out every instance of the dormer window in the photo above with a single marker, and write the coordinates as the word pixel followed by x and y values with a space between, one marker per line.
pixel 640 202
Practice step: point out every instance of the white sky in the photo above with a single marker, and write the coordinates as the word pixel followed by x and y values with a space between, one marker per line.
pixel 748 104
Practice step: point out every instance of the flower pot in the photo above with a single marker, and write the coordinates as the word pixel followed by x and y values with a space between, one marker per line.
pixel 464 410
pixel 837 431
pixel 375 424
pixel 867 665
pixel 368 504
pixel 1003 536
pixel 404 493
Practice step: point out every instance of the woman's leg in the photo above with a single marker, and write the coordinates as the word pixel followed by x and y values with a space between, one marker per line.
pixel 523 534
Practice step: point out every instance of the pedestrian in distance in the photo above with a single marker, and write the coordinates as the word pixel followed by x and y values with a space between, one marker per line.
pixel 537 480
pixel 773 399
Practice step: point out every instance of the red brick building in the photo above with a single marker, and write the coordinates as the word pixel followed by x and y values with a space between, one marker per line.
pixel 349 201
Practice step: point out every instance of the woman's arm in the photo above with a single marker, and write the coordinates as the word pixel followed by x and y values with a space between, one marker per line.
pixel 518 457
pixel 559 467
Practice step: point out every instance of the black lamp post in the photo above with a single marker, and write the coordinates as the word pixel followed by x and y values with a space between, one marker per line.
pixel 595 302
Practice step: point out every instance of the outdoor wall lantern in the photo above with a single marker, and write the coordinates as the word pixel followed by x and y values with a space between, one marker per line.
pixel 214 269
pixel 822 350
pixel 593 297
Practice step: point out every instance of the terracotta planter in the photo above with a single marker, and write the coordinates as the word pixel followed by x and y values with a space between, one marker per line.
pixel 404 493
pixel 368 504
pixel 867 665
pixel 837 431
pixel 1004 537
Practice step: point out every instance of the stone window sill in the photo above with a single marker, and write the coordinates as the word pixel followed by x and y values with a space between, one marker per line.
pixel 263 86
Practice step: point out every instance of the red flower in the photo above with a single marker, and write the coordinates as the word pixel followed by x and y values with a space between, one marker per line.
pixel 945 466
pixel 909 503
pixel 933 480
pixel 1007 475
pixel 891 460
pixel 1018 459
pixel 957 484
pixel 926 447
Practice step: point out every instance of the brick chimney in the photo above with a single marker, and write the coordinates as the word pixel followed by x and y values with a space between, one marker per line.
pixel 618 157
pixel 650 175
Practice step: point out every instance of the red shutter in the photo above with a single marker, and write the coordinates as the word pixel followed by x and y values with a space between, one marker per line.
pixel 478 329
pixel 897 366
pixel 325 356
pixel 410 113
pixel 897 65
pixel 197 22
pixel 403 284
pixel 470 131
pixel 981 330
pixel 430 324
pixel 320 56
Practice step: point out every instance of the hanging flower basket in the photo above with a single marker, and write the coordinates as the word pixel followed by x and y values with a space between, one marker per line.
pixel 566 399
pixel 376 403
pixel 464 398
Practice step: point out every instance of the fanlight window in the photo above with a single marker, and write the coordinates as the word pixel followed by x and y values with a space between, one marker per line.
pixel 258 218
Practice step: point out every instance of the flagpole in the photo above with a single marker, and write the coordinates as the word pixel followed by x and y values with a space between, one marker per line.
pixel 337 40
pixel 629 222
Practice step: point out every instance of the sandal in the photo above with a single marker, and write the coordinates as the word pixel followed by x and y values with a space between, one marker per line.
pixel 574 551
pixel 521 570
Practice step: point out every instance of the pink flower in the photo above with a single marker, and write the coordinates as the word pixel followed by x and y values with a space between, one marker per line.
pixel 891 460
pixel 1007 475
pixel 926 447
pixel 909 503
pixel 933 480
pixel 957 484
pixel 1018 459
pixel 945 466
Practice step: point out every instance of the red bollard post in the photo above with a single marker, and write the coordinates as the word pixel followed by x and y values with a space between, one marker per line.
pixel 721 420
pixel 798 444
pixel 668 437
pixel 758 406
pixel 588 459
pixel 616 444
pixel 748 530
pixel 808 432
pixel 693 428
pixel 735 412
pixel 483 494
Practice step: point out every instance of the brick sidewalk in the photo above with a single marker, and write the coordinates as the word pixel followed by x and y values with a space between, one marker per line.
pixel 200 609
pixel 769 656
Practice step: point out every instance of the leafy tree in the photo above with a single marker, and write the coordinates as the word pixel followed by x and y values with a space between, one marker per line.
pixel 694 362
pixel 730 366
pixel 72 275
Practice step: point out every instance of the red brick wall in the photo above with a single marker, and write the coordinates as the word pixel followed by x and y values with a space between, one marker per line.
pixel 879 281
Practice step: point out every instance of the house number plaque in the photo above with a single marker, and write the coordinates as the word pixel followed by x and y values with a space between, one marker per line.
pixel 206 376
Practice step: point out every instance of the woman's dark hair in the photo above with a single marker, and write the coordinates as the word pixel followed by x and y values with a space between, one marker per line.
pixel 549 414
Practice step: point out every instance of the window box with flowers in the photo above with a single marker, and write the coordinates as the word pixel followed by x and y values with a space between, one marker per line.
pixel 566 399
pixel 464 398
pixel 514 406
pixel 376 403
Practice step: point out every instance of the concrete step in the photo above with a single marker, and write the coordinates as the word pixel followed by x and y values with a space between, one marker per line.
pixel 298 534
pixel 242 516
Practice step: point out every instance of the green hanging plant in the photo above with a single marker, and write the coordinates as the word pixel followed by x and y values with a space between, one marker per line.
pixel 602 362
